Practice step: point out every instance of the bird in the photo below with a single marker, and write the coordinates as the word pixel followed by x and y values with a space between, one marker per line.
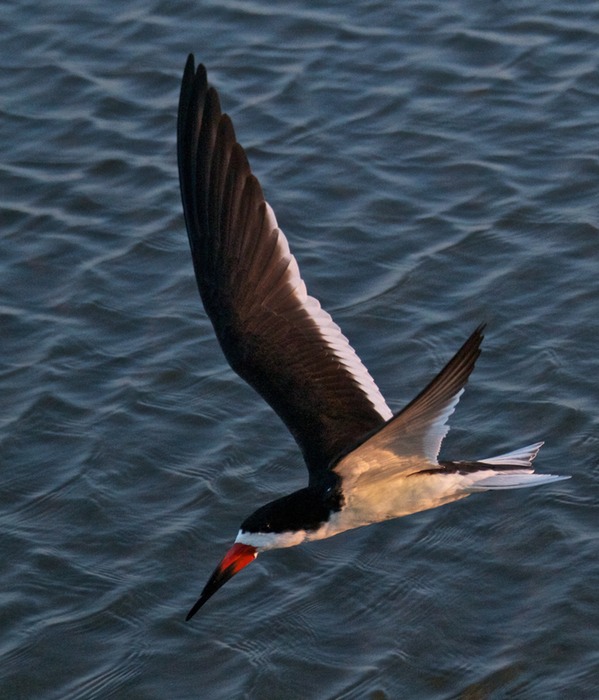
pixel 365 463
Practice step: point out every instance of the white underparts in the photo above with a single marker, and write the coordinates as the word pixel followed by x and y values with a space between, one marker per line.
pixel 372 496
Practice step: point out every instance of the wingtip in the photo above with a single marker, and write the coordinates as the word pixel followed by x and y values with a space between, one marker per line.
pixel 192 73
pixel 190 63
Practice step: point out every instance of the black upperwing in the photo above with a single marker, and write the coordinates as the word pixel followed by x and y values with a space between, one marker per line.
pixel 274 335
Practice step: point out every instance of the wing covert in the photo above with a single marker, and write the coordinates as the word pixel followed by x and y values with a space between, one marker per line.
pixel 412 438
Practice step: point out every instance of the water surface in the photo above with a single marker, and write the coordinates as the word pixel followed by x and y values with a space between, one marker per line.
pixel 433 165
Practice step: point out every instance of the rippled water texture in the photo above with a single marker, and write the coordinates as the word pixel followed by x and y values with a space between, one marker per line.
pixel 434 165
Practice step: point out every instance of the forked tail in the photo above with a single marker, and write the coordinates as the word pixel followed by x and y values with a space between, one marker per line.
pixel 511 470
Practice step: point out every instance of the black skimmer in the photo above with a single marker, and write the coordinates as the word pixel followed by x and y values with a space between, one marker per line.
pixel 365 463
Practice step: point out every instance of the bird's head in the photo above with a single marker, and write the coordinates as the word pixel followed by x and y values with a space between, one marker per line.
pixel 282 523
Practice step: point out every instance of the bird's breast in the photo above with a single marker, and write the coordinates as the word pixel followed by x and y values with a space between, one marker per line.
pixel 372 498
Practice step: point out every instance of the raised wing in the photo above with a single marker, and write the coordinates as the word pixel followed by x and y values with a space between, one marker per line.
pixel 274 335
pixel 411 440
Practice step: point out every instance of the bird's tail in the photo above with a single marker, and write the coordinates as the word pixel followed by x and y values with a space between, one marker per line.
pixel 511 471
pixel 518 458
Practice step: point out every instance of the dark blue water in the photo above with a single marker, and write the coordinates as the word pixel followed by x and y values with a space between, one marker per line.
pixel 433 165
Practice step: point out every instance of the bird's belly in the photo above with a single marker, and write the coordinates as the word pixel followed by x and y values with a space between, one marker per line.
pixel 370 500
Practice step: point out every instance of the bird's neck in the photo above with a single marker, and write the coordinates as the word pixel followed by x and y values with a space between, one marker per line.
pixel 295 518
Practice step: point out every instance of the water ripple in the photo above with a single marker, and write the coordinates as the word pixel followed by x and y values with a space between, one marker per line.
pixel 450 150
